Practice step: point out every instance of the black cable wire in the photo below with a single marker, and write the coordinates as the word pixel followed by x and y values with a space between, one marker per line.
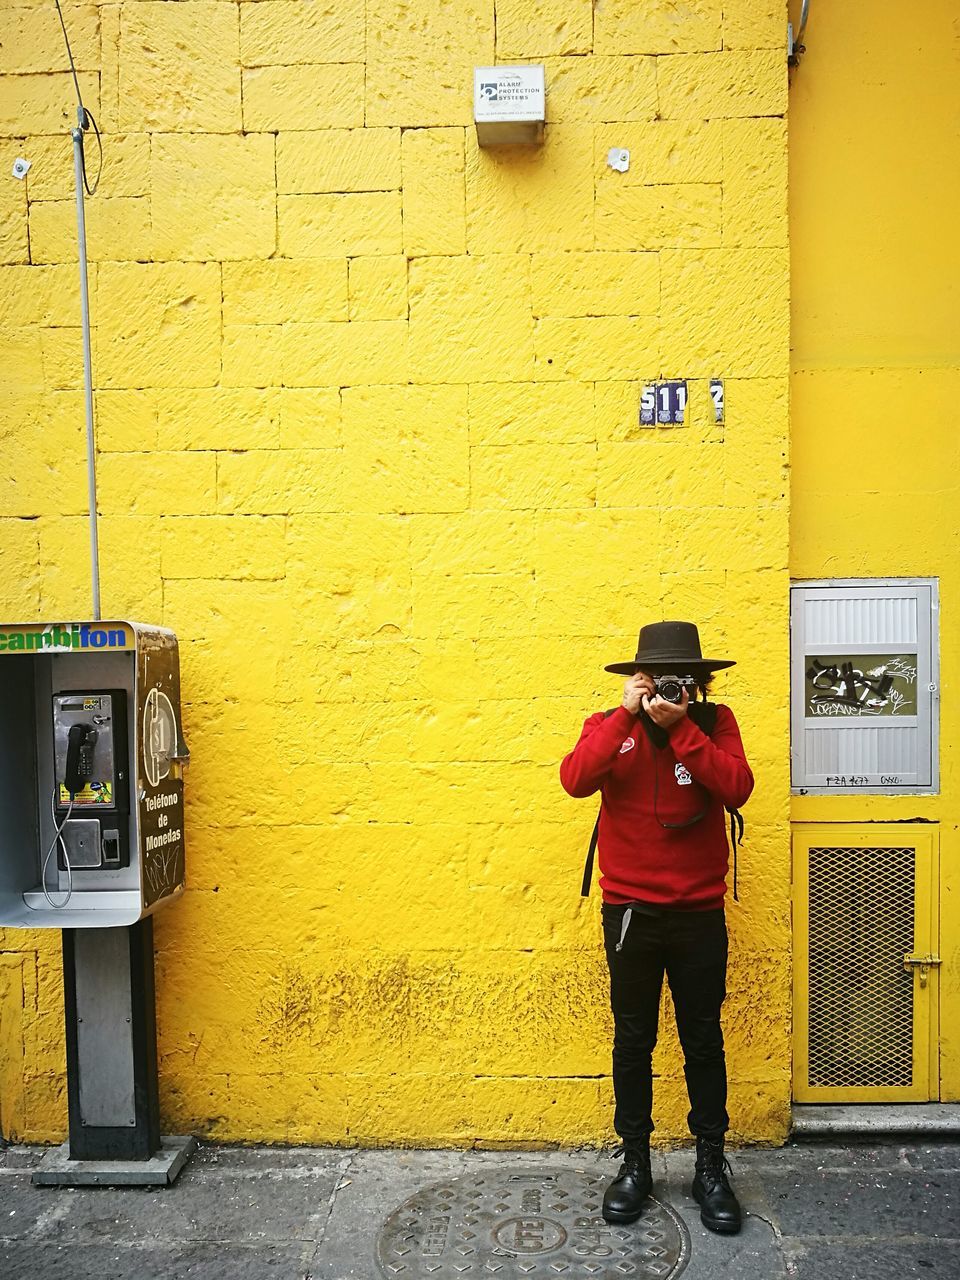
pixel 91 191
pixel 84 117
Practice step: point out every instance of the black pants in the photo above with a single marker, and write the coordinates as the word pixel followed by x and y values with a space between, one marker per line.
pixel 691 947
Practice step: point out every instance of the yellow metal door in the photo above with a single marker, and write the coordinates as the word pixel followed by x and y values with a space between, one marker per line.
pixel 866 965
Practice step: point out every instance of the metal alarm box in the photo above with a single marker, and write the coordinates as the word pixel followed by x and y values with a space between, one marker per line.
pixel 91 773
pixel 509 105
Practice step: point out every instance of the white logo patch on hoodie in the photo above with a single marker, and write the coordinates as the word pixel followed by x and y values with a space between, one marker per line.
pixel 628 745
pixel 683 775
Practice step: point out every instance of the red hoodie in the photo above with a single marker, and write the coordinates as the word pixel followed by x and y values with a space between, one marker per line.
pixel 639 859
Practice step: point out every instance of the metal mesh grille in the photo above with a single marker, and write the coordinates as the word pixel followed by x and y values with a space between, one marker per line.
pixel 861 997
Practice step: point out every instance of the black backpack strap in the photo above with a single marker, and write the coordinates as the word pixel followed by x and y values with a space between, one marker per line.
pixel 704 716
pixel 588 865
pixel 736 838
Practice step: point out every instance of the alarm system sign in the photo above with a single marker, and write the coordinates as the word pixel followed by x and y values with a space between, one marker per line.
pixel 508 93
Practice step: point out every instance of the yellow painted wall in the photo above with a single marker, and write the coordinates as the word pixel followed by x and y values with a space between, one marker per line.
pixel 368 403
pixel 875 480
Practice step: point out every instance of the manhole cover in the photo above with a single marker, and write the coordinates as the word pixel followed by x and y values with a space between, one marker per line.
pixel 529 1223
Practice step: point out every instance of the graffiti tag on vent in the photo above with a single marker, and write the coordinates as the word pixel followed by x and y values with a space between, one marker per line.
pixel 862 685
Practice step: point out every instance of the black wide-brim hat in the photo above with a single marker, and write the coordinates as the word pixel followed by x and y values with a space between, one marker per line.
pixel 669 644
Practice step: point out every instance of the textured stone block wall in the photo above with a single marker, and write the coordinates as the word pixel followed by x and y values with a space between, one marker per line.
pixel 368 440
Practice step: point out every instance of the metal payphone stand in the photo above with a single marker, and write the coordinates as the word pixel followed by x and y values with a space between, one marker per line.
pixel 112 1087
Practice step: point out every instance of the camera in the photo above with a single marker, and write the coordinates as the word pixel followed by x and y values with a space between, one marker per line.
pixel 670 688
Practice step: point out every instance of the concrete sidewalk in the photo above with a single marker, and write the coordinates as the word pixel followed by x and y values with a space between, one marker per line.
pixel 858 1212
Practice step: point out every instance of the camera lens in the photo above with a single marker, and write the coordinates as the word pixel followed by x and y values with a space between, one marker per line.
pixel 670 690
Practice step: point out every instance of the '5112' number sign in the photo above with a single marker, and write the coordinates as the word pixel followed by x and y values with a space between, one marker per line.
pixel 665 403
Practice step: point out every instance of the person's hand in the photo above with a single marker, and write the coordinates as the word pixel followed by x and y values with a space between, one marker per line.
pixel 666 714
pixel 636 688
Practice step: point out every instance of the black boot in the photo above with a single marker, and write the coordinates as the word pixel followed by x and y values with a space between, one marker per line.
pixel 623 1199
pixel 719 1209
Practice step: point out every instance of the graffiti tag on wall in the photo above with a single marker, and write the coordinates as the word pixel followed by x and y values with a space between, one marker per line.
pixel 874 684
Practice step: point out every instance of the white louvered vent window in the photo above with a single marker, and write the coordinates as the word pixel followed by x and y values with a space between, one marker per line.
pixel 864 693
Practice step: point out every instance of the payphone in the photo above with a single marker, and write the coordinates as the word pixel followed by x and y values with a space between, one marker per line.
pixel 91 763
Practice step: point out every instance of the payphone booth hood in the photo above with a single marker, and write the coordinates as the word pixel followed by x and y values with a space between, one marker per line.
pixel 142 660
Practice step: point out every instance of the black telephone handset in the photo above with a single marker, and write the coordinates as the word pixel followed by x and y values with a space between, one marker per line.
pixel 81 741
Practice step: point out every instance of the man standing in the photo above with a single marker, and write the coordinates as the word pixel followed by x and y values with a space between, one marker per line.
pixel 666 765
